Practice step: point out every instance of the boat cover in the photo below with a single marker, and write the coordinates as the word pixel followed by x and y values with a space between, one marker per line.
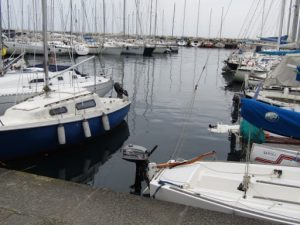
pixel 283 39
pixel 271 118
pixel 57 68
pixel 285 73
pixel 280 52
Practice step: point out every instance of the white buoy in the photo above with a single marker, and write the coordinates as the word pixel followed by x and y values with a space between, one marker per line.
pixel 246 81
pixel 86 128
pixel 61 134
pixel 105 122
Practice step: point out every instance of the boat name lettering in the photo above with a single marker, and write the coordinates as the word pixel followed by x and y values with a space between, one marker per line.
pixel 269 153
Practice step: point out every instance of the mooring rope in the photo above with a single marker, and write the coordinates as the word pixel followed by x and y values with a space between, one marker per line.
pixel 187 116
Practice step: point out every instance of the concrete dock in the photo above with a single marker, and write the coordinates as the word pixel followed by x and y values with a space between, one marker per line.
pixel 29 199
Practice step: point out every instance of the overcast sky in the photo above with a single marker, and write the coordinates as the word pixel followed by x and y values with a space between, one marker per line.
pixel 241 18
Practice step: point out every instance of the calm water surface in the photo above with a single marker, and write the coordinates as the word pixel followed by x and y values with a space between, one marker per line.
pixel 165 111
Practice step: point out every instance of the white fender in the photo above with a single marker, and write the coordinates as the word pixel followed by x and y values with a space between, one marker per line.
pixel 86 128
pixel 61 134
pixel 246 81
pixel 81 49
pixel 286 91
pixel 105 122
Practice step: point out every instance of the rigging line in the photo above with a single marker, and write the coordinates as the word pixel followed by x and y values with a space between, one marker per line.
pixel 245 20
pixel 180 141
pixel 267 16
pixel 251 20
pixel 224 17
pixel 255 18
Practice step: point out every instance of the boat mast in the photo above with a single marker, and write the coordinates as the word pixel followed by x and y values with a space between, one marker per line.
pixel 262 18
pixel 209 22
pixel 71 28
pixel 112 21
pixel 95 17
pixel 138 26
pixel 151 1
pixel 198 18
pixel 128 24
pixel 162 23
pixel 173 19
pixel 22 16
pixel 1 45
pixel 103 2
pixel 45 45
pixel 221 27
pixel 83 17
pixel 295 21
pixel 183 18
pixel 281 24
pixel 8 19
pixel 289 18
pixel 155 24
pixel 124 17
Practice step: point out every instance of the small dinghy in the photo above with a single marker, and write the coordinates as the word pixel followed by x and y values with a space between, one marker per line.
pixel 268 192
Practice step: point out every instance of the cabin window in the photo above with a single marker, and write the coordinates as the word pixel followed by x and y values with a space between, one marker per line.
pixel 74 77
pixel 39 80
pixel 58 111
pixel 60 78
pixel 86 104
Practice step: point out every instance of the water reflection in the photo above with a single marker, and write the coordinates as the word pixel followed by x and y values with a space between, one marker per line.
pixel 160 88
pixel 77 163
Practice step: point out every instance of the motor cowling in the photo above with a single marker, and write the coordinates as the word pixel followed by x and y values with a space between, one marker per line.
pixel 134 153
pixel 120 91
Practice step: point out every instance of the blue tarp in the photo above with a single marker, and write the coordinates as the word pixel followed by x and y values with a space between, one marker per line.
pixel 283 39
pixel 57 68
pixel 280 52
pixel 271 118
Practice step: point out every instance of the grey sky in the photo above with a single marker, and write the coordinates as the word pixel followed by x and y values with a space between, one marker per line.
pixel 232 24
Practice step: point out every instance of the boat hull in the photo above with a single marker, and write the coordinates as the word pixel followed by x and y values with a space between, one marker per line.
pixel 115 50
pixel 44 138
pixel 160 50
pixel 19 48
pixel 232 66
pixel 240 75
pixel 132 50
pixel 274 155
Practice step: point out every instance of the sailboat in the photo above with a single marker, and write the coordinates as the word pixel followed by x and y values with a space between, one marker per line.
pixel 268 192
pixel 281 86
pixel 16 86
pixel 265 192
pixel 55 118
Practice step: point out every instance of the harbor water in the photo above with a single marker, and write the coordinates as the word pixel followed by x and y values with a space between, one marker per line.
pixel 167 110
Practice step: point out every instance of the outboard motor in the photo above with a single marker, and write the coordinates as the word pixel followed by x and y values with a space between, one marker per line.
pixel 120 91
pixel 235 108
pixel 139 155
